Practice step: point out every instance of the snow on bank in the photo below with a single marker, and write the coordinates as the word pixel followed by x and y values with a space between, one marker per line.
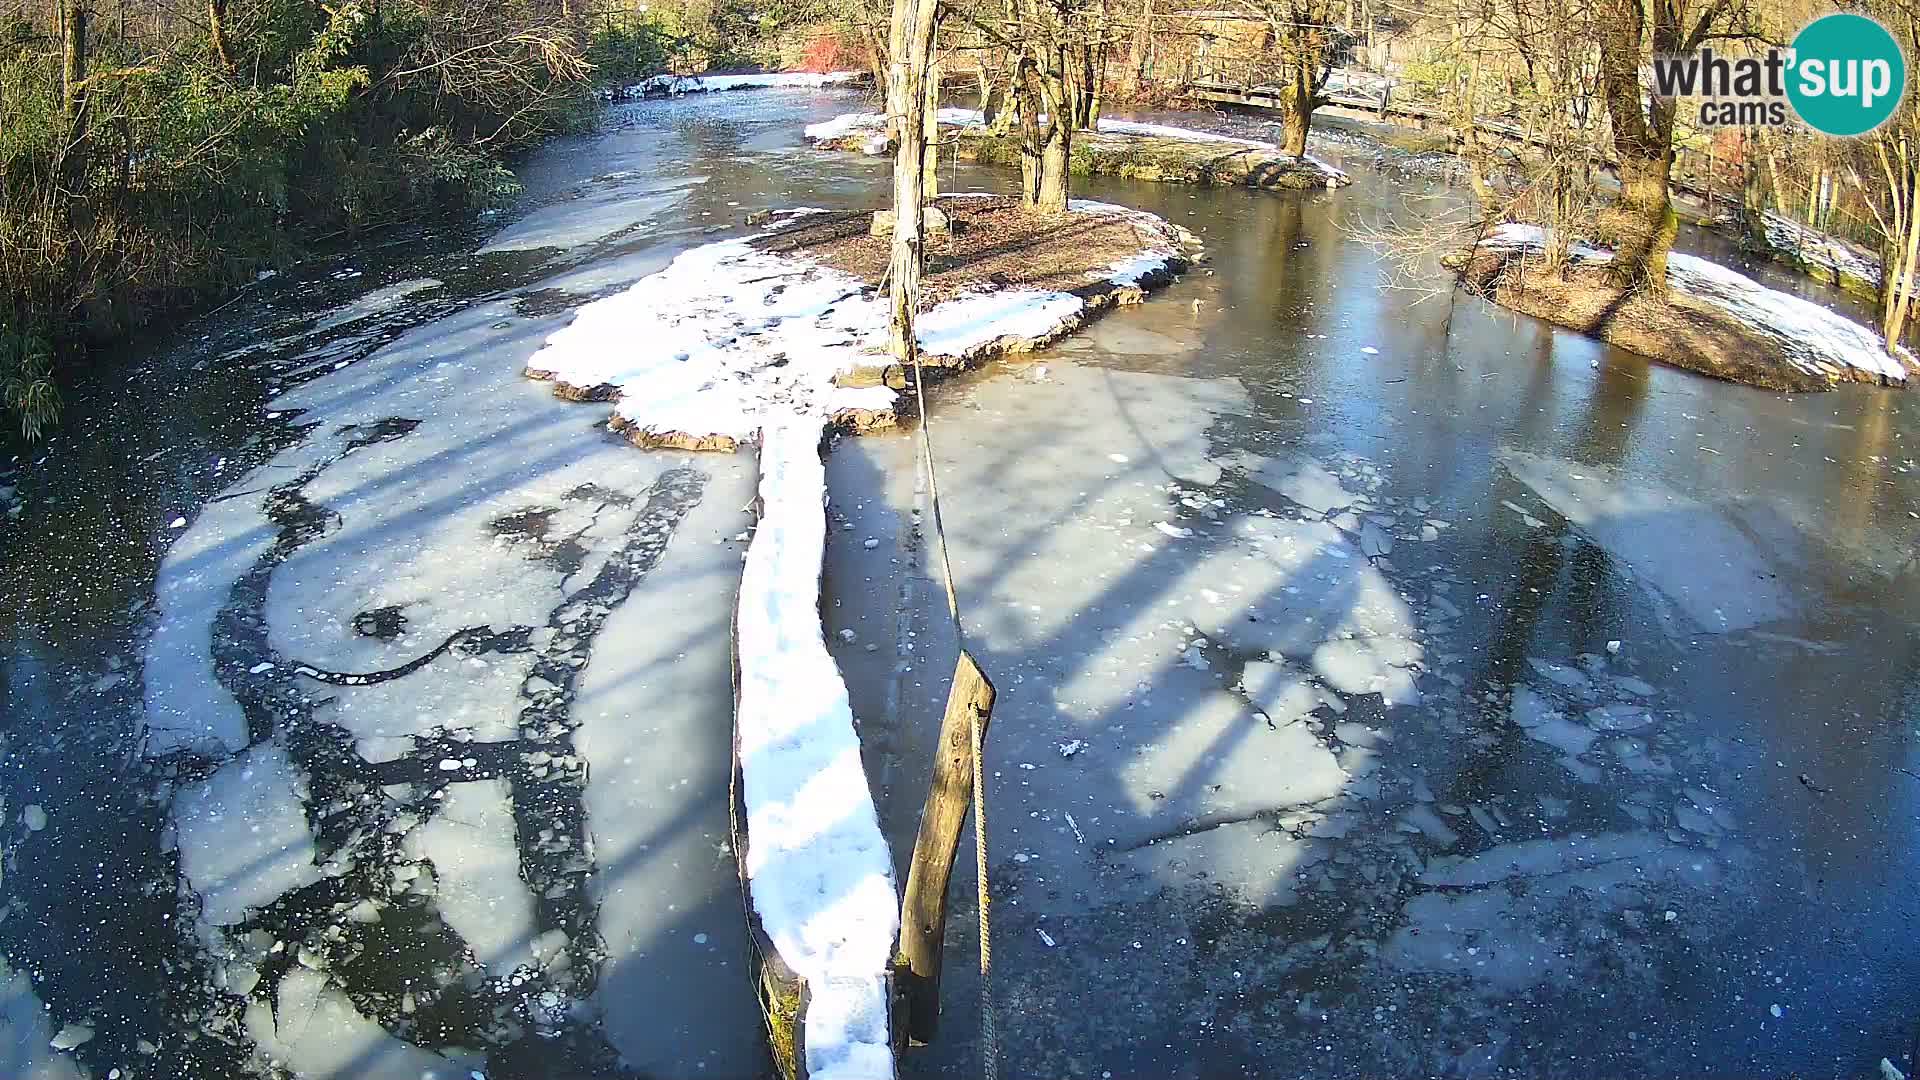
pixel 1816 249
pixel 1811 338
pixel 874 125
pixel 728 335
pixel 695 84
pixel 818 867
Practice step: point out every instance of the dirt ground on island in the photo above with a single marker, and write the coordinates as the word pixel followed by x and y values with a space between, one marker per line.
pixel 993 243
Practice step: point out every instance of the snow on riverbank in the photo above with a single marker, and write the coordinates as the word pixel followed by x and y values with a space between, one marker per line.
pixel 1811 338
pixel 694 84
pixel 1815 250
pixel 874 125
pixel 729 334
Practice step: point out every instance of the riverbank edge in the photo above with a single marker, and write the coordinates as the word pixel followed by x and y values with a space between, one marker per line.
pixel 1157 157
pixel 1693 336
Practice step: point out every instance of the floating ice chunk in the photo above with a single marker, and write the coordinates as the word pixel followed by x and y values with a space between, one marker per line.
pixel 1313 487
pixel 1174 531
pixel 26 1044
pixel 314 1032
pixel 71 1036
pixel 481 895
pixel 1285 694
pixel 1369 665
pixel 1374 540
pixel 242 834
pixel 1619 717
pixel 34 817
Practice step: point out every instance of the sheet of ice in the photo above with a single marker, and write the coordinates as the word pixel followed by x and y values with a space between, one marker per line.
pixel 25 1034
pixel 684 84
pixel 1282 692
pixel 186 707
pixel 601 208
pixel 373 303
pixel 470 842
pixel 314 1033
pixel 729 334
pixel 1812 338
pixel 1304 480
pixel 656 732
pixel 819 868
pixel 243 836
pixel 1718 578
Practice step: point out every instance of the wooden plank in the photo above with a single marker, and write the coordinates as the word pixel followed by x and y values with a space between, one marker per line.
pixel 923 912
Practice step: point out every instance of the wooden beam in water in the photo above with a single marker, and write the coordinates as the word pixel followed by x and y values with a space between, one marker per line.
pixel 923 912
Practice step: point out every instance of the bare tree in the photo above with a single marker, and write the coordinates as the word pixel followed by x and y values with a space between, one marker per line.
pixel 909 66
pixel 1640 225
pixel 1295 54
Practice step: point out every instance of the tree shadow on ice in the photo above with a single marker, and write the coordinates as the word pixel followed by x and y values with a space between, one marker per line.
pixel 1243 919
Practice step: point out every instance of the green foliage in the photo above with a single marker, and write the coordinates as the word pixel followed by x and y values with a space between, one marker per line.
pixel 26 380
pixel 628 53
pixel 181 176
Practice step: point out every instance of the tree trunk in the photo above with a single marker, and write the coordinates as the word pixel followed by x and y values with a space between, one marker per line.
pixel 1027 97
pixel 1056 144
pixel 930 129
pixel 73 157
pixel 1753 197
pixel 1055 153
pixel 217 31
pixel 1136 75
pixel 1902 244
pixel 910 49
pixel 1296 115
pixel 1641 224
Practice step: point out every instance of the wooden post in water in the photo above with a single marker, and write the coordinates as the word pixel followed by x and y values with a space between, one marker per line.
pixel 923 912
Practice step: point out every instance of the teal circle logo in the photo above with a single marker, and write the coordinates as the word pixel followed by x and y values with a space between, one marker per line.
pixel 1846 75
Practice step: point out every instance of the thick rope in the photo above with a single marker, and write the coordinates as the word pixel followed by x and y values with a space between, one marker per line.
pixel 989 1037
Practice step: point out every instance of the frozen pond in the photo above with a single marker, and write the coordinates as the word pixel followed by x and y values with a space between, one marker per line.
pixel 1386 685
